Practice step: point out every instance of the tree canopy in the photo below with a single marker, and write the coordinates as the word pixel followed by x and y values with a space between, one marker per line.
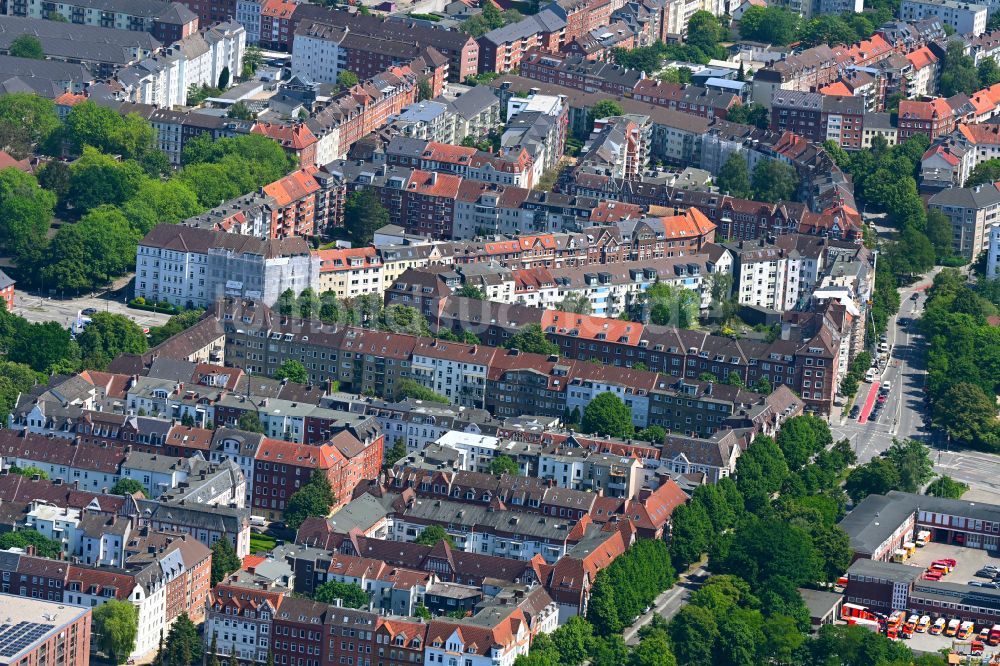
pixel 432 534
pixel 608 416
pixel 314 499
pixel 351 595
pixel 116 623
pixel 224 560
pixel 531 339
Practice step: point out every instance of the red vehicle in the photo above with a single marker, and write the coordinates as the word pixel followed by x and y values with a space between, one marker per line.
pixel 932 575
pixel 994 635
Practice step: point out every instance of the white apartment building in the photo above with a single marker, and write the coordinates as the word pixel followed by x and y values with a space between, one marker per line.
pixel 350 272
pixel 775 275
pixel 316 52
pixel 197 60
pixel 187 266
pixel 56 523
pixel 248 15
pixel 120 14
pixel 239 619
pixel 456 371
pixel 966 18
pixel 494 209
pixel 452 648
pixel 475 451
pixel 993 258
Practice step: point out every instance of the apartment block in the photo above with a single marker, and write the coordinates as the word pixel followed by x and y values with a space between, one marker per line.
pixel 818 117
pixel 47 629
pixel 972 213
pixel 184 265
pixel 503 49
pixel 966 18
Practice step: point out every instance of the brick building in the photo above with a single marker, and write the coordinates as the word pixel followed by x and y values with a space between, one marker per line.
pixel 44 632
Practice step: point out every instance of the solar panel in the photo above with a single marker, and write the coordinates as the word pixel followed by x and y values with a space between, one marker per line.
pixel 14 638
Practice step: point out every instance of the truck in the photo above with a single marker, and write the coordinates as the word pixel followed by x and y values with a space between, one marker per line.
pixel 973 648
pixel 994 635
pixel 965 631
pixel 923 537
pixel 953 626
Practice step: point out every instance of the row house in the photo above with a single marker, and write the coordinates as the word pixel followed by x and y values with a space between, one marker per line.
pixel 276 21
pixel 805 71
pixel 617 147
pixel 297 140
pixel 932 119
pixel 163 19
pixel 579 72
pixel 294 211
pixel 503 49
pixel 819 117
pixel 353 114
pixel 506 168
pixel 694 100
pixel 350 272
pixel 598 44
pixel 459 49
pixel 323 50
pixel 583 16
pixel 923 80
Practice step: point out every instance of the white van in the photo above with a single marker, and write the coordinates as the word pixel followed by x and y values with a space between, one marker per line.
pixel 871 376
pixel 258 521
pixel 886 387
pixel 883 348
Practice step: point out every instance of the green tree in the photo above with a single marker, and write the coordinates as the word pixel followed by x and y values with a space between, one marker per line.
pixel 97 179
pixel 347 79
pixel 252 59
pixel 471 291
pixel 26 46
pixel 760 471
pixel 602 609
pixel 958 71
pixel 314 499
pixel 176 324
pixel 106 337
pixel 408 388
pixel 989 73
pixel 103 128
pixel 653 434
pixel 27 212
pixel 44 547
pixel 404 319
pixel 116 625
pixel 224 560
pixel 801 437
pixel 693 633
pixel 734 177
pixel 223 82
pixel 575 303
pixel 161 202
pixel 293 371
pixel 945 486
pixel 91 253
pixel 606 108
pixel 250 422
pixel 504 464
pixel 54 176
pixel 691 534
pixel 396 453
pixel 987 171
pixel 771 25
pixel 774 181
pixel 671 305
pixel 128 487
pixel 432 535
pixel 30 472
pixel 363 214
pixel 704 33
pixel 424 91
pixel 939 233
pixel 912 462
pixel 572 641
pixel 876 477
pixel 183 646
pixel 750 114
pixel 608 416
pixel 26 122
pixel 351 595
pixel 532 340
pixel 653 651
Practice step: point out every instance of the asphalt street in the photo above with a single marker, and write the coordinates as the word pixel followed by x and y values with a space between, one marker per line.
pixel 64 312
pixel 901 416
pixel 667 604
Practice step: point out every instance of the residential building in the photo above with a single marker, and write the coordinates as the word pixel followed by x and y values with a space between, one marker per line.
pixel 7 291
pixel 503 49
pixel 382 37
pixel 44 631
pixel 350 272
pixel 972 213
pixel 818 117
pixel 183 265
pixel 993 257
pixel 966 18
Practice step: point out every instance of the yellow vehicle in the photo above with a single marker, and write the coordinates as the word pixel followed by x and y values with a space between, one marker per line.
pixel 899 555
pixel 953 627
pixel 910 548
pixel 924 624
pixel 965 630
pixel 938 626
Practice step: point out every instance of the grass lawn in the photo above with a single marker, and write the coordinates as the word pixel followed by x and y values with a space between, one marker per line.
pixel 260 543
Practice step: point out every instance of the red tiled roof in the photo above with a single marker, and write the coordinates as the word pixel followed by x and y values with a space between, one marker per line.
pixel 296 137
pixel 300 455
pixel 339 259
pixel 293 187
pixel 836 88
pixel 921 58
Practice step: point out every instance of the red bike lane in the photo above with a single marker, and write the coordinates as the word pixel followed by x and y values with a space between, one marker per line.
pixel 866 410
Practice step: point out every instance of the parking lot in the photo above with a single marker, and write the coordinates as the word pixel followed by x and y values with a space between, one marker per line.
pixel 969 561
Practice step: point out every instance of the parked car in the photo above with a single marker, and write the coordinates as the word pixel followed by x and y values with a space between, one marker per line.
pixel 855 411
pixel 986 573
pixel 915 296
pixel 88 311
